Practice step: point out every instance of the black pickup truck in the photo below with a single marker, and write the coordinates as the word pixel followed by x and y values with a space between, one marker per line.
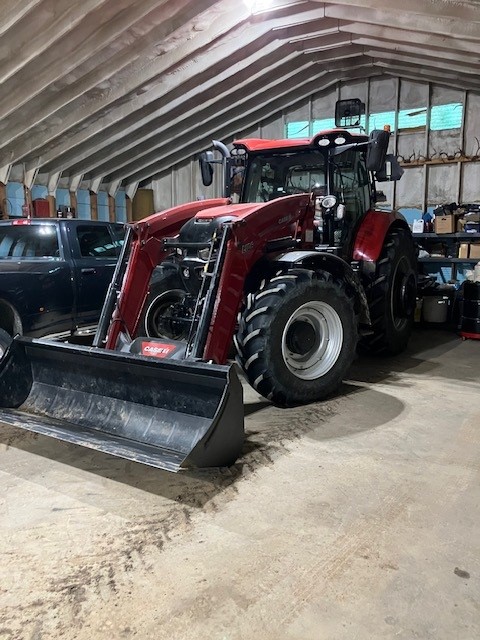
pixel 54 274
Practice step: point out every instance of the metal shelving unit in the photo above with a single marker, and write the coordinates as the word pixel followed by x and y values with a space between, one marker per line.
pixel 452 239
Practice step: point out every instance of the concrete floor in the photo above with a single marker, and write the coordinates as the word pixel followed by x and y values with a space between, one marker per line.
pixel 357 518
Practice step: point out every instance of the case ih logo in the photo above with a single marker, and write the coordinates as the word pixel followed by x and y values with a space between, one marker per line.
pixel 157 349
pixel 245 248
pixel 285 219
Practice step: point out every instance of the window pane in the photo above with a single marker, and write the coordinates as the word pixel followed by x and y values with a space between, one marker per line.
pixel 118 237
pixel 446 116
pixel 29 241
pixel 323 125
pixel 379 120
pixel 95 241
pixel 279 175
pixel 411 118
pixel 298 129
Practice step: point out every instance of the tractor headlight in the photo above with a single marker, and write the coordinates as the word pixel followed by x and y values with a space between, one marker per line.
pixel 323 142
pixel 329 202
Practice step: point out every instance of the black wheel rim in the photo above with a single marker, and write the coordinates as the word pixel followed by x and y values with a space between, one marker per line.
pixel 162 321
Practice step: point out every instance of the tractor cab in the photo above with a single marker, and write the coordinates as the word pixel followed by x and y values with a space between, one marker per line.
pixel 339 168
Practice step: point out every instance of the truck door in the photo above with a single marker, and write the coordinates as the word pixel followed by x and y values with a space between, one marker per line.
pixel 36 276
pixel 95 256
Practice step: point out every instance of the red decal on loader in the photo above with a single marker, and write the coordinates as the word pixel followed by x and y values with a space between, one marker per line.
pixel 157 349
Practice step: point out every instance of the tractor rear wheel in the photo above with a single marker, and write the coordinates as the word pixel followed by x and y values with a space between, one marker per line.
pixel 297 337
pixel 392 295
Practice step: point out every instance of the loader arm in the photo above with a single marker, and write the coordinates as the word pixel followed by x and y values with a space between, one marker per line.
pixel 146 251
pixel 269 224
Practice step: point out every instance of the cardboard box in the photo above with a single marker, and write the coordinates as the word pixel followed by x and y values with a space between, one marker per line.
pixel 444 224
pixel 475 250
pixel 463 250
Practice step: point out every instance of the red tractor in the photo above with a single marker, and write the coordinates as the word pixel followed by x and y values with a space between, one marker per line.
pixel 294 266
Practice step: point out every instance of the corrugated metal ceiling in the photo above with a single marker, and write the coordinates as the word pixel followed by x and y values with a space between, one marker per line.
pixel 117 91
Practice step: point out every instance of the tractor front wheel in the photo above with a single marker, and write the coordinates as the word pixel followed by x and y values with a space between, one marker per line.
pixel 167 310
pixel 297 337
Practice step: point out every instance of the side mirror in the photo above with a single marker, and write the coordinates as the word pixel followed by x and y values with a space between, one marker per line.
pixel 377 149
pixel 348 113
pixel 206 169
pixel 391 170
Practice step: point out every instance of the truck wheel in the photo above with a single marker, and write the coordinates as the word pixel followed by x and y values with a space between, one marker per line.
pixel 392 295
pixel 297 337
pixel 5 340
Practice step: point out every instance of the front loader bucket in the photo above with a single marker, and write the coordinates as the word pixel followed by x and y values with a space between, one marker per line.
pixel 167 414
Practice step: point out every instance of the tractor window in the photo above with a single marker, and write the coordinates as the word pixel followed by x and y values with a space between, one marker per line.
pixel 351 183
pixel 276 175
pixel 236 181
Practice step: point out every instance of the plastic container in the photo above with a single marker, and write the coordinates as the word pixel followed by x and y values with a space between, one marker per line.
pixel 435 308
pixel 476 272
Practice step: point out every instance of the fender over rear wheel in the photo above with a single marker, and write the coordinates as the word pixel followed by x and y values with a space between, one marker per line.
pixel 392 295
pixel 297 337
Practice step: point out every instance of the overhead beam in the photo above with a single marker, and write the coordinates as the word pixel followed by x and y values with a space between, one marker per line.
pixel 145 71
pixel 220 74
pixel 243 117
pixel 95 184
pixel 150 152
pixel 161 83
pixel 13 11
pixel 383 32
pixel 74 182
pixel 436 10
pixel 236 88
pixel 390 15
pixel 30 172
pixel 244 100
pixel 469 72
pixel 419 74
pixel 220 113
pixel 45 29
pixel 5 173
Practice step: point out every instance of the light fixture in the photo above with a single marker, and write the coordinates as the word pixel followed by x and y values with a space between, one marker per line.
pixel 329 202
pixel 323 142
pixel 340 140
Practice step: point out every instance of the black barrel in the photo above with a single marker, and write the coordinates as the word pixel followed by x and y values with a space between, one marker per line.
pixel 166 414
pixel 470 322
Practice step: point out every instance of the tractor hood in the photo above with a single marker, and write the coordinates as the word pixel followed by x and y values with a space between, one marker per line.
pixel 240 211
pixel 203 225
